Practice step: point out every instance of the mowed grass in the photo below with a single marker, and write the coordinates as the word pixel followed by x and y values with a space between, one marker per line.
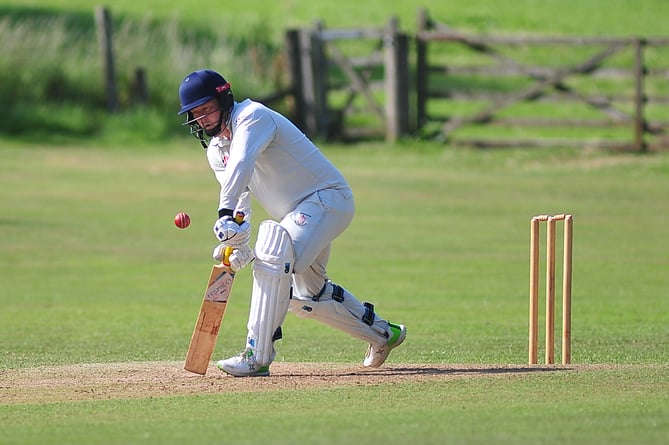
pixel 616 407
pixel 92 270
pixel 584 17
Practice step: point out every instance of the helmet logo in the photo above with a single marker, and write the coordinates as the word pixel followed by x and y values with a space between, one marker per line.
pixel 222 88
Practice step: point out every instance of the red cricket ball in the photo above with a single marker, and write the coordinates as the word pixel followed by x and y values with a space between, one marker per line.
pixel 182 220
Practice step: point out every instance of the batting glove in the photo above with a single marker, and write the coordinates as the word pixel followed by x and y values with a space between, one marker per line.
pixel 239 259
pixel 242 257
pixel 232 234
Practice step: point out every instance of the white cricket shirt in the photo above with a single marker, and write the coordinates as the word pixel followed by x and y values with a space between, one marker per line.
pixel 270 157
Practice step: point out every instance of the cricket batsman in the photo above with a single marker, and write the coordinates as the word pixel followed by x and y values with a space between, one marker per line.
pixel 253 149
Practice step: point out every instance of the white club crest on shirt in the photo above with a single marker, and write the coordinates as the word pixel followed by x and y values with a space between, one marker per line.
pixel 301 219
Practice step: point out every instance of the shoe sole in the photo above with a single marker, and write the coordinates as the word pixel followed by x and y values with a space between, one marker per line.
pixel 264 374
pixel 261 373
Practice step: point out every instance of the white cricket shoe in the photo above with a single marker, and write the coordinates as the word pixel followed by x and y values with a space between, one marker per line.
pixel 375 357
pixel 243 365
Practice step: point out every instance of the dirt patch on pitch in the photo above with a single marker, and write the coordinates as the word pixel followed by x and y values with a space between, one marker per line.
pixel 160 379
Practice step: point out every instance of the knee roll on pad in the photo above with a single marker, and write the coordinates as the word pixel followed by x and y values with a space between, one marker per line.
pixel 270 297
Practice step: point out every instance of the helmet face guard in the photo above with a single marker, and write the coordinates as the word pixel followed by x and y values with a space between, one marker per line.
pixel 198 88
pixel 195 129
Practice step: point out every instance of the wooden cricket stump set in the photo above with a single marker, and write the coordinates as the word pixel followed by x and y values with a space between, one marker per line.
pixel 551 223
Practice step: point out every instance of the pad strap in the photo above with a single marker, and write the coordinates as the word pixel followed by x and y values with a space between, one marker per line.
pixel 337 292
pixel 369 316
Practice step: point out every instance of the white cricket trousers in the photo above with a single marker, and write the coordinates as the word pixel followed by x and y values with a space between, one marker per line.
pixel 313 225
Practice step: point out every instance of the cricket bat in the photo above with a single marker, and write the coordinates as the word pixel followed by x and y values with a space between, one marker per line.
pixel 209 320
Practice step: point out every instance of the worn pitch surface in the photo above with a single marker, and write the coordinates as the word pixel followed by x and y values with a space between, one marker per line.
pixel 155 379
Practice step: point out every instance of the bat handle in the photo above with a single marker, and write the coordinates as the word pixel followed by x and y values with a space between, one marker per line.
pixel 226 256
pixel 239 218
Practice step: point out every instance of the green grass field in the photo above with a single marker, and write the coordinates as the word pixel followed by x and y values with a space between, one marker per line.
pixel 597 17
pixel 99 291
pixel 93 271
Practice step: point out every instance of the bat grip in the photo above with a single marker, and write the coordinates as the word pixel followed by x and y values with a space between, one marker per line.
pixel 239 218
pixel 226 256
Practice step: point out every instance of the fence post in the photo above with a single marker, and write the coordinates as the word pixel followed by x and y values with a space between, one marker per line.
pixel 140 89
pixel 314 82
pixel 421 70
pixel 103 21
pixel 307 84
pixel 320 69
pixel 396 81
pixel 292 42
pixel 639 96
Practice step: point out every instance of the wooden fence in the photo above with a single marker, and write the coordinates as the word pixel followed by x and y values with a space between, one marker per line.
pixel 465 86
pixel 331 85
pixel 139 88
pixel 331 88
pixel 623 103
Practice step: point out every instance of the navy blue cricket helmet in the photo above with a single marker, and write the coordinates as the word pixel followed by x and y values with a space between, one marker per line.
pixel 198 88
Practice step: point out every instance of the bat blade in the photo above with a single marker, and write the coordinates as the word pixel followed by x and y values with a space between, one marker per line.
pixel 209 320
